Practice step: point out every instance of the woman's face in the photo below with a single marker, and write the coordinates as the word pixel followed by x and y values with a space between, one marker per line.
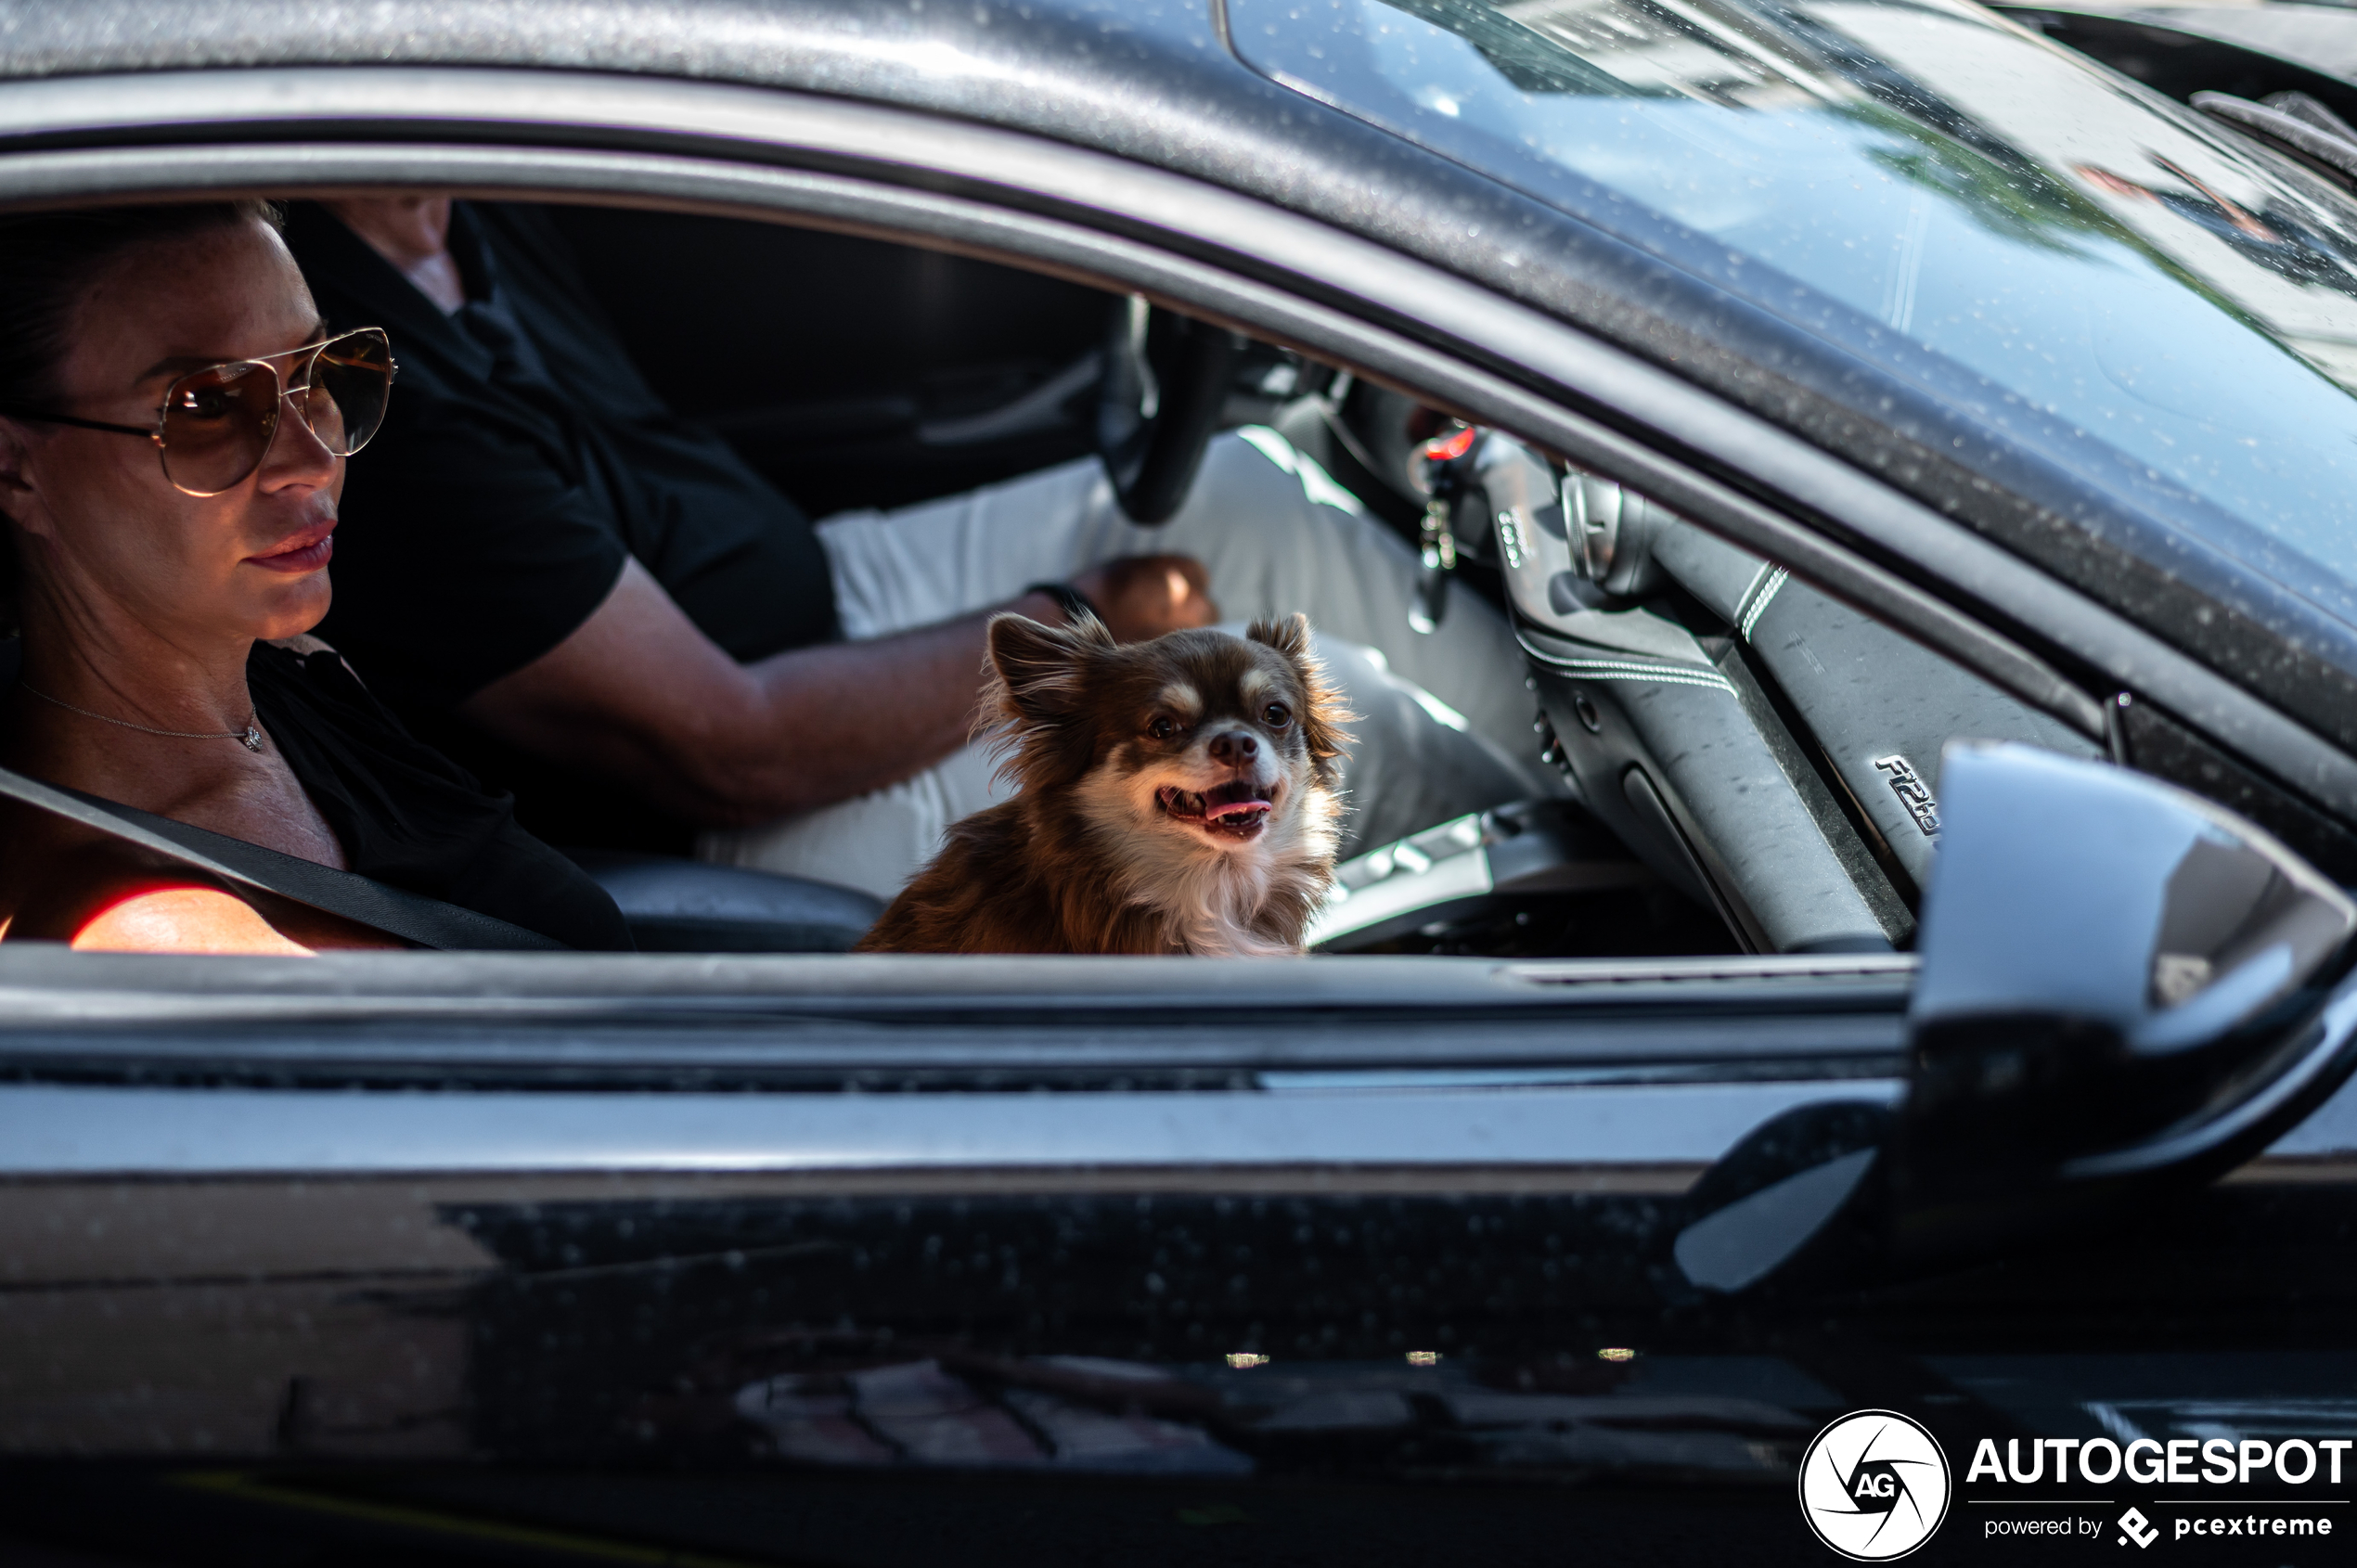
pixel 103 533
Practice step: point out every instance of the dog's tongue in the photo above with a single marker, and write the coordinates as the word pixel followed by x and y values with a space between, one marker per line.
pixel 1241 798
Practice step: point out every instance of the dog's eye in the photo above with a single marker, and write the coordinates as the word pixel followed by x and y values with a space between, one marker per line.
pixel 1163 727
pixel 1278 715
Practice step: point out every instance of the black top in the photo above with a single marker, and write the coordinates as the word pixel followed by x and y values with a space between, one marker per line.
pixel 407 815
pixel 522 459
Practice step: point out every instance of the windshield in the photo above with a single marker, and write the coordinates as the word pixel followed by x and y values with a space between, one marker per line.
pixel 2119 288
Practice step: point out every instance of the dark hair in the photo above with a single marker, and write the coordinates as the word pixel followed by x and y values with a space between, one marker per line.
pixel 47 261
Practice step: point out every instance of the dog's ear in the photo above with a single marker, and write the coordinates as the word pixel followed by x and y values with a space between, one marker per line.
pixel 1034 696
pixel 1289 637
pixel 1321 729
pixel 1036 669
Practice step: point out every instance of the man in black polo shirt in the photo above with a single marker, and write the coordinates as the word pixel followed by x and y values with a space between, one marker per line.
pixel 550 573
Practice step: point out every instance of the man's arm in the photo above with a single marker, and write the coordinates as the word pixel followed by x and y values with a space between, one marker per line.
pixel 637 694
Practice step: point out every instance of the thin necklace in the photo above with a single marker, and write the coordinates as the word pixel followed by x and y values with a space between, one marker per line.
pixel 250 738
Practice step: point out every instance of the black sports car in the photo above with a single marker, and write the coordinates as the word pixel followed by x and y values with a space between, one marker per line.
pixel 1889 1102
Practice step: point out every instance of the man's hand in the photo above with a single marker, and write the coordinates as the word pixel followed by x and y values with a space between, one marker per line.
pixel 1143 597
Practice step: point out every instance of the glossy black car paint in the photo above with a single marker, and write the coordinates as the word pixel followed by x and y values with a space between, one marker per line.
pixel 292 1353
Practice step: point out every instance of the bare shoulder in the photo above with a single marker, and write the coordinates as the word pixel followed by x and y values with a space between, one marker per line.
pixel 66 884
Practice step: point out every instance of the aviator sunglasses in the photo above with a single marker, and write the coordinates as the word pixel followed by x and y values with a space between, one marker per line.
pixel 216 424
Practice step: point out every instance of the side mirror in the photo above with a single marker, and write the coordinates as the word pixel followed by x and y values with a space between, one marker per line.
pixel 2121 982
pixel 2122 988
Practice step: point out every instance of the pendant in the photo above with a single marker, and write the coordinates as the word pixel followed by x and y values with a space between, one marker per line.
pixel 250 739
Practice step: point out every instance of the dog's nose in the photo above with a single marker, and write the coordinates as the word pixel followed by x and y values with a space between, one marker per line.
pixel 1234 748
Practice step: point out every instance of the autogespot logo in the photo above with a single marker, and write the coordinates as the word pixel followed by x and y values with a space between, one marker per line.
pixel 1874 1486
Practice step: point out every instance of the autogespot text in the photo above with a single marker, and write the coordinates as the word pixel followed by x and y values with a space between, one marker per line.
pixel 2181 1462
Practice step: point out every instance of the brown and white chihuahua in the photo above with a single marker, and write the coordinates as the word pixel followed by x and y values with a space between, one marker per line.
pixel 1176 796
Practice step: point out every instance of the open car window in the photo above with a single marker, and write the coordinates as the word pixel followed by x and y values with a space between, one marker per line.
pixel 1733 759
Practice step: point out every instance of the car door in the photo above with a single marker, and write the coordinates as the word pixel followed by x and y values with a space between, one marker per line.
pixel 793 1259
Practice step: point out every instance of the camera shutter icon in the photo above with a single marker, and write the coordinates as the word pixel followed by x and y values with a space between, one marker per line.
pixel 1875 1485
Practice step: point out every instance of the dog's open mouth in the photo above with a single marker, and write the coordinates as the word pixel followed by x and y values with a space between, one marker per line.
pixel 1239 808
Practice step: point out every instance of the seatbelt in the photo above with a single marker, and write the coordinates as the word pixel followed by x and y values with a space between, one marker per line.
pixel 428 922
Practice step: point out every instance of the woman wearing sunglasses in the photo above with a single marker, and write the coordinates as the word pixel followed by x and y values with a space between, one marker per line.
pixel 174 425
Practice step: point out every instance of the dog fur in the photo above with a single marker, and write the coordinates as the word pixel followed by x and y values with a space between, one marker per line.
pixel 1161 807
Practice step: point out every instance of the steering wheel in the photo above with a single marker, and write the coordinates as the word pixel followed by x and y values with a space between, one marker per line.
pixel 1158 403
